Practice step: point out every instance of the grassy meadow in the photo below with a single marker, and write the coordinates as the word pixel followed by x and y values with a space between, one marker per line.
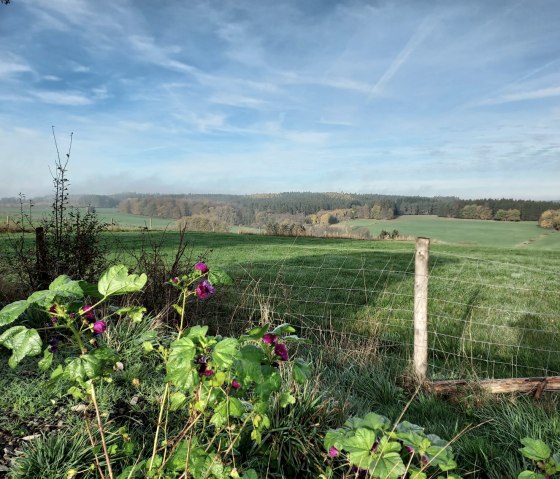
pixel 494 311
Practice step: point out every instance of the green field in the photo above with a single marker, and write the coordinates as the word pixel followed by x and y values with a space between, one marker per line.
pixel 110 216
pixel 502 234
pixel 494 312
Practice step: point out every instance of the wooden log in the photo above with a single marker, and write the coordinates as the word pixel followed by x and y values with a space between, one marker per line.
pixel 421 308
pixel 536 385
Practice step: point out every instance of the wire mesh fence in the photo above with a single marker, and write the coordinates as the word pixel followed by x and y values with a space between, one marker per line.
pixel 486 318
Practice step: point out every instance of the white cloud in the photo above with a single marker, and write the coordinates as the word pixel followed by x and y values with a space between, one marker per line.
pixel 69 98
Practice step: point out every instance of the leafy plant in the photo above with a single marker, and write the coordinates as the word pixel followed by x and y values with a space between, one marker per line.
pixel 375 448
pixel 545 463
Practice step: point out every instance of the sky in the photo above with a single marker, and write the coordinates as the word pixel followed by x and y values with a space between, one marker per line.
pixel 453 98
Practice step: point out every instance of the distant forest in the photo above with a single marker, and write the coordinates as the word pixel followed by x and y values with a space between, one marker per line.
pixel 219 211
pixel 324 208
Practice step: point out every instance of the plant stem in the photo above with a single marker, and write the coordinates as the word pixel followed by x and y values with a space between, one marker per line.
pixel 100 426
pixel 77 338
pixel 160 417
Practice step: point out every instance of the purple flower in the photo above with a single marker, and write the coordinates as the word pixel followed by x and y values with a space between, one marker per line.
pixel 361 472
pixel 424 459
pixel 409 449
pixel 333 451
pixel 201 359
pixel 270 338
pixel 205 289
pixel 282 351
pixel 88 312
pixel 208 373
pixel 52 310
pixel 53 345
pixel 174 280
pixel 202 267
pixel 235 384
pixel 99 327
pixel 375 445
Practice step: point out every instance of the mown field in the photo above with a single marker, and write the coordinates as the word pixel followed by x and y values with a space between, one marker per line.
pixel 499 234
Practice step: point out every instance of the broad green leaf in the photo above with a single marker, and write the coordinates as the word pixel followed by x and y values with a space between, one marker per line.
pixel 12 311
pixel 76 392
pixel 91 366
pixel 22 341
pixel 196 333
pixel 148 347
pixel 270 384
pixel 219 278
pixel 301 371
pixel 250 474
pixel 132 471
pixel 334 438
pixel 388 466
pixel 90 289
pixel 42 298
pixel 181 362
pixel 361 440
pixel 535 449
pixel 177 399
pixel 386 445
pixel 225 352
pixel 282 329
pixel 530 475
pixel 218 379
pixel 257 332
pixel 116 281
pixel 286 398
pixel 417 474
pixel 66 287
pixel 46 362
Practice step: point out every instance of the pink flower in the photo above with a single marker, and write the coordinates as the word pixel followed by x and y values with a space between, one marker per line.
pixel 282 351
pixel 88 311
pixel 270 338
pixel 205 289
pixel 174 280
pixel 208 373
pixel 202 267
pixel 235 384
pixel 333 451
pixel 99 327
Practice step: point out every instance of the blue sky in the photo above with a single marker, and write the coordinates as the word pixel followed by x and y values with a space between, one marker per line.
pixel 399 97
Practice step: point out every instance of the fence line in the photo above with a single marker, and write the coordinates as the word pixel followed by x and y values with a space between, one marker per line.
pixel 486 318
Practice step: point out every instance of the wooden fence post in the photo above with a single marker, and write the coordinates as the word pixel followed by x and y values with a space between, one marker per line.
pixel 421 308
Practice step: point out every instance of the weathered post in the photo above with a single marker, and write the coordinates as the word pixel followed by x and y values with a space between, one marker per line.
pixel 421 308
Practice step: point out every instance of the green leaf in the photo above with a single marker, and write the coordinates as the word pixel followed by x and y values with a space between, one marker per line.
pixel 116 281
pixel 90 366
pixel 66 287
pixel 225 352
pixel 282 329
pixel 334 438
pixel 135 313
pixel 530 475
pixel 250 474
pixel 12 311
pixel 301 371
pixel 416 474
pixel 180 362
pixel 388 466
pixel 177 400
pixel 286 398
pixel 196 333
pixel 46 362
pixel 219 278
pixel 42 298
pixel 22 341
pixel 148 347
pixel 270 384
pixel 535 449
pixel 257 332
pixel 361 440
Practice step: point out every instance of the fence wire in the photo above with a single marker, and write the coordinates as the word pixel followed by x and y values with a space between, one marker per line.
pixel 486 318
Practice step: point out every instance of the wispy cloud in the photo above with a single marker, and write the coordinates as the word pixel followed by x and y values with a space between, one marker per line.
pixel 523 96
pixel 413 43
pixel 12 65
pixel 67 98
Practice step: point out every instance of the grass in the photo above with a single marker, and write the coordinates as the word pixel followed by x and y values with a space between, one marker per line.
pixel 494 312
pixel 498 234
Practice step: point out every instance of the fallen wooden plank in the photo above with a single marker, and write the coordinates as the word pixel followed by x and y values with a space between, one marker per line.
pixel 536 385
